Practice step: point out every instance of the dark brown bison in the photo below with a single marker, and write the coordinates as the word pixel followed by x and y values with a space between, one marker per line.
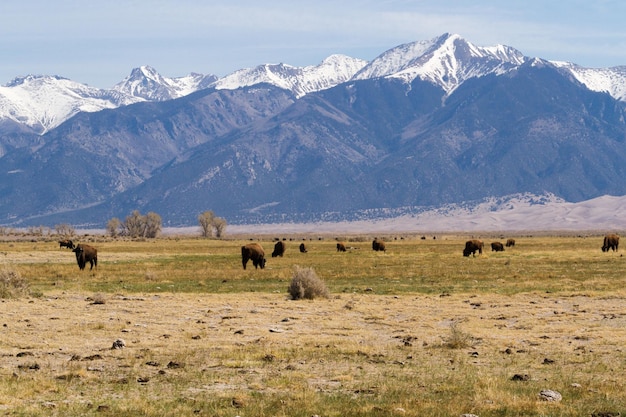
pixel 254 252
pixel 378 245
pixel 341 247
pixel 279 249
pixel 66 243
pixel 303 248
pixel 471 246
pixel 611 241
pixel 497 247
pixel 510 243
pixel 86 253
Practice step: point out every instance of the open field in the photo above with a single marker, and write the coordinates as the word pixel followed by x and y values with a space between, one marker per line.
pixel 416 331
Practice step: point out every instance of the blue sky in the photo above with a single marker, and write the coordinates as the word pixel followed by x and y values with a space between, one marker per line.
pixel 99 42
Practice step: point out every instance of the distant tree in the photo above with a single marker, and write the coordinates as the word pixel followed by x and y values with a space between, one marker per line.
pixel 220 226
pixel 206 223
pixel 153 225
pixel 138 225
pixel 135 224
pixel 64 229
pixel 210 223
pixel 38 230
pixel 114 227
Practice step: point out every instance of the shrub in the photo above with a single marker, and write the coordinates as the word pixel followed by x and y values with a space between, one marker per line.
pixel 458 339
pixel 12 285
pixel 305 284
pixel 98 298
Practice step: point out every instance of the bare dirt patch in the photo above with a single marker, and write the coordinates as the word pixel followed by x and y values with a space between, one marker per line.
pixel 240 346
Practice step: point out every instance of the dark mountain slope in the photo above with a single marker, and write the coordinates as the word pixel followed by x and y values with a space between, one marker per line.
pixel 93 156
pixel 532 130
pixel 258 155
pixel 310 159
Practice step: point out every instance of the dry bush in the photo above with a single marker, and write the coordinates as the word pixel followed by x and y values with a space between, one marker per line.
pixel 98 298
pixel 458 339
pixel 12 285
pixel 305 284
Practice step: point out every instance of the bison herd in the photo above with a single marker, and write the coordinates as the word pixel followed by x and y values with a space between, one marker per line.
pixel 475 245
pixel 255 253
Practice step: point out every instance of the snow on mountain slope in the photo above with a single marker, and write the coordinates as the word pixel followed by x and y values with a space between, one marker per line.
pixel 334 70
pixel 447 61
pixel 610 80
pixel 44 102
pixel 145 82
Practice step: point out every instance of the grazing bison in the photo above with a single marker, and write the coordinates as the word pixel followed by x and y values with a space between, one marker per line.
pixel 303 248
pixel 378 245
pixel 510 243
pixel 611 241
pixel 279 249
pixel 497 247
pixel 86 253
pixel 471 246
pixel 66 243
pixel 254 252
pixel 341 247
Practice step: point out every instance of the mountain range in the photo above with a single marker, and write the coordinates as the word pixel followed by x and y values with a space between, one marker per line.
pixel 423 125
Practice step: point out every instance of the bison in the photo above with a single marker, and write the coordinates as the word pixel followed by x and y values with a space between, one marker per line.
pixel 254 252
pixel 471 246
pixel 611 241
pixel 341 247
pixel 86 253
pixel 303 248
pixel 378 245
pixel 66 243
pixel 510 243
pixel 497 247
pixel 279 249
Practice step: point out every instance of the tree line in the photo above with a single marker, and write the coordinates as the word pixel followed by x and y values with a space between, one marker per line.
pixel 135 225
pixel 150 225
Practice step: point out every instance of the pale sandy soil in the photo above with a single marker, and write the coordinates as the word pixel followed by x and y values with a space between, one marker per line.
pixel 57 327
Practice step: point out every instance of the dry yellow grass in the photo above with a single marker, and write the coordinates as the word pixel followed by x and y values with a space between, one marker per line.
pixel 381 345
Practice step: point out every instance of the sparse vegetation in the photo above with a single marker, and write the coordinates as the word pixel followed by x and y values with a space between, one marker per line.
pixel 305 284
pixel 458 339
pixel 99 298
pixel 65 230
pixel 421 331
pixel 12 285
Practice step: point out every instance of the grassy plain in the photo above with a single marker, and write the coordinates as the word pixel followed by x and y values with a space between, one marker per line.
pixel 417 331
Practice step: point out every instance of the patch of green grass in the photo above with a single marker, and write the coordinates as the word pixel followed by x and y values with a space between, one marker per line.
pixel 544 264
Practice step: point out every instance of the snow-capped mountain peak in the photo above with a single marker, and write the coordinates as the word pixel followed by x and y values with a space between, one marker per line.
pixel 447 60
pixel 145 82
pixel 38 103
pixel 333 70
pixel 42 102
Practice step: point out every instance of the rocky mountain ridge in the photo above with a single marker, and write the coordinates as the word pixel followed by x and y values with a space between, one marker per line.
pixel 39 103
pixel 423 125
